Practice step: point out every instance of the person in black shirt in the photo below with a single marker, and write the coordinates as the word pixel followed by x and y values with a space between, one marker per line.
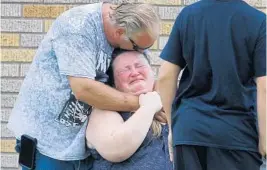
pixel 221 47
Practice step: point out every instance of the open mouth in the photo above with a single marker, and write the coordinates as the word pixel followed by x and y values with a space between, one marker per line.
pixel 136 81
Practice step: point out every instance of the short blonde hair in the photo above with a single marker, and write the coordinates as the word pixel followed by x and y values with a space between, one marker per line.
pixel 136 18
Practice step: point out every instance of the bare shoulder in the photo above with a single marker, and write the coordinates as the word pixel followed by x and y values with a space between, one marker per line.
pixel 103 114
pixel 100 118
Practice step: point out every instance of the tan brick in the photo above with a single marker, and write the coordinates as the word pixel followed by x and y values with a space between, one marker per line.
pixel 165 28
pixel 48 24
pixel 8 145
pixel 9 40
pixel 19 55
pixel 44 11
pixel 162 2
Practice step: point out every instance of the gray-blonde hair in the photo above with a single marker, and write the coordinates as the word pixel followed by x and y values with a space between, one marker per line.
pixel 156 128
pixel 135 18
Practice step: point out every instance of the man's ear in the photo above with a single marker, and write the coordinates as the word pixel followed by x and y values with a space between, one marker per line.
pixel 119 32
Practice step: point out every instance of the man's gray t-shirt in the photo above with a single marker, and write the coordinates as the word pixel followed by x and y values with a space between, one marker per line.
pixel 46 109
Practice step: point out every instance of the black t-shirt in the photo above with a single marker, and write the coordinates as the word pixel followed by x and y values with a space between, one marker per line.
pixel 222 47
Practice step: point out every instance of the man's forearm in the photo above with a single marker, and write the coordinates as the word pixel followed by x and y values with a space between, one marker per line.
pixel 166 89
pixel 261 108
pixel 167 85
pixel 102 96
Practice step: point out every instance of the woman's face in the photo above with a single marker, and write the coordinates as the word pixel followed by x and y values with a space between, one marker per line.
pixel 132 73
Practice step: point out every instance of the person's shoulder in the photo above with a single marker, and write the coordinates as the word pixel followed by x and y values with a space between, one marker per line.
pixel 100 114
pixel 192 9
pixel 252 15
pixel 78 20
pixel 249 10
pixel 241 8
pixel 105 116
pixel 194 6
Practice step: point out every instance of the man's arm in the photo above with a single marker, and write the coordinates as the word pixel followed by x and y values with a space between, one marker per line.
pixel 102 96
pixel 167 85
pixel 116 140
pixel 261 109
pixel 259 66
pixel 76 58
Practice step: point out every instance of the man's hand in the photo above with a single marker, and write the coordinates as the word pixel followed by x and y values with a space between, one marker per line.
pixel 151 100
pixel 170 145
pixel 161 117
pixel 262 147
pixel 261 109
pixel 101 96
pixel 143 91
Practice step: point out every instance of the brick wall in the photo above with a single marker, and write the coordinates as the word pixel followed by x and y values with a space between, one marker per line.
pixel 23 25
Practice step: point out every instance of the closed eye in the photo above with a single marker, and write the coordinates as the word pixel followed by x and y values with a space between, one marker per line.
pixel 139 65
pixel 124 70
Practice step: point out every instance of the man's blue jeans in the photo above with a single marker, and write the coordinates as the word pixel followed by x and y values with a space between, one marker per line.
pixel 43 162
pixel 46 163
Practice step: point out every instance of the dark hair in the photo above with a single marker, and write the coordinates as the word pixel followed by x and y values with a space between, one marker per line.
pixel 116 53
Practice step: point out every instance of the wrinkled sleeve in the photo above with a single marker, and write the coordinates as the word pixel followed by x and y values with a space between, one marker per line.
pixel 75 55
pixel 172 51
pixel 259 57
